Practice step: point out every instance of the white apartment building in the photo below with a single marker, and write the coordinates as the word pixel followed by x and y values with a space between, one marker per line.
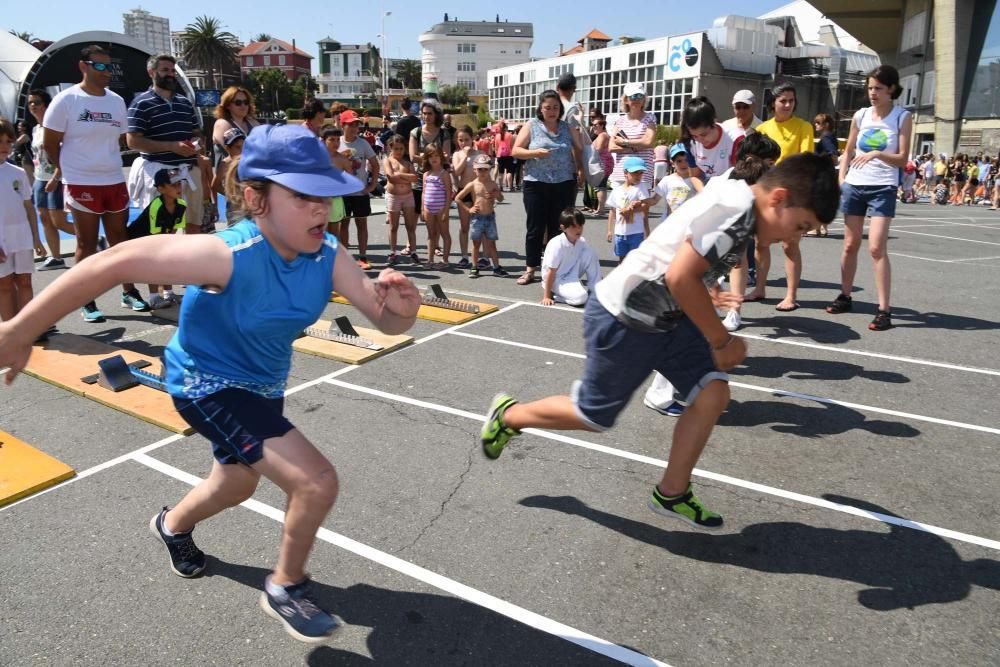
pixel 153 31
pixel 457 52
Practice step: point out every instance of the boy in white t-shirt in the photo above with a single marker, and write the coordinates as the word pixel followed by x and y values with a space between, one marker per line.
pixel 677 187
pixel 567 260
pixel 18 230
pixel 628 205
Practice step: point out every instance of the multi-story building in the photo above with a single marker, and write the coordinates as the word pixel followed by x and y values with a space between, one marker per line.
pixel 349 73
pixel 457 52
pixel 275 54
pixel 153 31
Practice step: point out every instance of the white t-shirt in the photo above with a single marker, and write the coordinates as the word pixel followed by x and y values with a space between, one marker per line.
pixel 876 135
pixel 360 151
pixel 44 170
pixel 91 126
pixel 715 159
pixel 622 195
pixel 733 129
pixel 15 230
pixel 675 191
pixel 718 222
pixel 563 257
pixel 928 168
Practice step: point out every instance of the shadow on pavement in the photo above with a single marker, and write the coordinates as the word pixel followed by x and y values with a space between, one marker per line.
pixel 901 568
pixel 813 369
pixel 809 421
pixel 816 329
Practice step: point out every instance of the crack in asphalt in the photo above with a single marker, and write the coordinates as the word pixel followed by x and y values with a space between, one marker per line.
pixel 444 504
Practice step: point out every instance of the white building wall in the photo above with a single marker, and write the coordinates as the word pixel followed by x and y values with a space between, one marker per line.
pixel 440 57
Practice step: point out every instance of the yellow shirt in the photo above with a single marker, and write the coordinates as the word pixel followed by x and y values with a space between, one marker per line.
pixel 793 136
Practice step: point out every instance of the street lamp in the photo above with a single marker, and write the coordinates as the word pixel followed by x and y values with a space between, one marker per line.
pixel 385 73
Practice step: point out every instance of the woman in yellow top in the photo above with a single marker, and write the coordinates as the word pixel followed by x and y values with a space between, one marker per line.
pixel 793 135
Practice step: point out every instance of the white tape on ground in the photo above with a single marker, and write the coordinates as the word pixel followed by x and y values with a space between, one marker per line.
pixel 459 590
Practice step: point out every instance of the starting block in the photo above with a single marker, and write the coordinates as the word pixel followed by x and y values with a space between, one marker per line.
pixel 339 340
pixel 69 362
pixel 24 470
pixel 438 307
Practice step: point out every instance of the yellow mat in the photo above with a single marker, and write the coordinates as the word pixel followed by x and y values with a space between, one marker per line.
pixel 25 470
pixel 66 358
pixel 438 314
pixel 350 354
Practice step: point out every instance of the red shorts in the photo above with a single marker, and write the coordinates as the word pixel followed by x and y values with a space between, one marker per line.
pixel 98 199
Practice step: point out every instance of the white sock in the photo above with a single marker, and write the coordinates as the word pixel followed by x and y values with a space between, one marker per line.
pixel 274 590
pixel 163 526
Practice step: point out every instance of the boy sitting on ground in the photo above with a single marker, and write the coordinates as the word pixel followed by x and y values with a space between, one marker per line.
pixel 567 260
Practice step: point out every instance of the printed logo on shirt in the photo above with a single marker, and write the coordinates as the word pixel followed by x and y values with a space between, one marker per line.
pixel 16 185
pixel 873 139
pixel 89 116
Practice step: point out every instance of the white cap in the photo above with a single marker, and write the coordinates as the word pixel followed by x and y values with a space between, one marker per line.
pixel 634 88
pixel 744 97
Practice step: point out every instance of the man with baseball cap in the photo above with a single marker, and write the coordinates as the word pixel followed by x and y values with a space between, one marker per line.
pixel 745 119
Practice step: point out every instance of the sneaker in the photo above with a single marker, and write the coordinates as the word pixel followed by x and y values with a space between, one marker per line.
pixel 732 321
pixel 393 259
pixel 685 507
pixel 156 302
pixel 91 313
pixel 186 559
pixel 363 263
pixel 51 263
pixel 132 299
pixel 494 434
pixel 842 304
pixel 301 616
pixel 474 272
pixel 415 259
pixel 102 244
pixel 882 321
pixel 171 297
pixel 499 272
pixel 464 263
pixel 483 263
pixel 675 409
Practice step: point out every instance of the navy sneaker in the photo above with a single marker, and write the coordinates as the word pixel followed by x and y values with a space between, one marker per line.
pixel 91 313
pixel 301 616
pixel 464 263
pixel 132 299
pixel 186 559
pixel 675 409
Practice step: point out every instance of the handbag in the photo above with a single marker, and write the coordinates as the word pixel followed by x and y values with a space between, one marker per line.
pixel 593 168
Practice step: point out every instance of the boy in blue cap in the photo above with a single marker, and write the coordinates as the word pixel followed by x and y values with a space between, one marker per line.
pixel 655 312
pixel 252 288
pixel 628 204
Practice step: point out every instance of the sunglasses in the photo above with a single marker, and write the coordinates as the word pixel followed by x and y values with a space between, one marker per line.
pixel 240 103
pixel 35 103
pixel 100 67
pixel 637 96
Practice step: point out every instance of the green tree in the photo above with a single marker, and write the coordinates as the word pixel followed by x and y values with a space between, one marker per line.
pixel 26 36
pixel 261 37
pixel 453 96
pixel 272 90
pixel 208 47
pixel 411 73
pixel 304 88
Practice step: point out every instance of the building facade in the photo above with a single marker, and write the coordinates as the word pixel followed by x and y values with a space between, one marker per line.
pixel 461 53
pixel 275 54
pixel 349 73
pixel 153 31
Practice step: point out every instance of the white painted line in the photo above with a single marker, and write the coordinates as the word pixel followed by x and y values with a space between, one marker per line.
pixel 726 479
pixel 455 588
pixel 976 259
pixel 456 327
pixel 950 238
pixel 926 259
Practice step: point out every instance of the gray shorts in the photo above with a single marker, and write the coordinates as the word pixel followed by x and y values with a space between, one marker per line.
pixel 483 225
pixel 620 359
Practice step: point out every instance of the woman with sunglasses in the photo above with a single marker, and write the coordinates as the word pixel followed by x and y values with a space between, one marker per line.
pixel 235 109
pixel 633 134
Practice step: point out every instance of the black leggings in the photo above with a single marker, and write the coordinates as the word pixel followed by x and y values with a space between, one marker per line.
pixel 543 202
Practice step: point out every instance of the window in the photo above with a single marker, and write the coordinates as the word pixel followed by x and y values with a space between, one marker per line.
pixel 984 90
pixel 466 67
pixel 281 60
pixel 267 61
pixel 470 84
pixel 517 51
pixel 466 48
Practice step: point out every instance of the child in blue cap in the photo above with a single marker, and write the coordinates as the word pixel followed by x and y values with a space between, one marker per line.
pixel 628 222
pixel 252 288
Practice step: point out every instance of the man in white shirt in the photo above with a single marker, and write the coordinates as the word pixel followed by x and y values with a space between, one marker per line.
pixel 744 119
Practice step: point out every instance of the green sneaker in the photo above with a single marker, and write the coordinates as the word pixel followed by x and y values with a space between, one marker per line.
pixel 495 434
pixel 685 507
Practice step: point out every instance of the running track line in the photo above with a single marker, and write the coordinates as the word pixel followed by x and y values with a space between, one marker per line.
pixel 769 390
pixel 459 590
pixel 725 479
pixel 939 236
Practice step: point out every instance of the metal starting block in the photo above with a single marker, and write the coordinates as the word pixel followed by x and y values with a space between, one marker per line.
pixel 115 375
pixel 441 300
pixel 346 334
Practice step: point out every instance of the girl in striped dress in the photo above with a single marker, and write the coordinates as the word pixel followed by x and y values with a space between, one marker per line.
pixel 436 200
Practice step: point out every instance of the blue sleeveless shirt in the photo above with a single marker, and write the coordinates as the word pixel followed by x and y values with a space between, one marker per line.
pixel 242 336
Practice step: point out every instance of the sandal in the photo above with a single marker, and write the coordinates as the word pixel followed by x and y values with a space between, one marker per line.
pixel 842 304
pixel 526 278
pixel 882 321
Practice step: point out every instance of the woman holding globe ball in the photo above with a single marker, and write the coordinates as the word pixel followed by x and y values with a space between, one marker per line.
pixel 877 148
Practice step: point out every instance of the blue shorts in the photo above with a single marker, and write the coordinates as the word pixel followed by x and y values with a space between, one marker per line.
pixel 47 200
pixel 620 359
pixel 877 201
pixel 483 225
pixel 236 422
pixel 624 244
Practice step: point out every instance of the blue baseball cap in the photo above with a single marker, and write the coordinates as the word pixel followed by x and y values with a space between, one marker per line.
pixel 676 150
pixel 292 156
pixel 633 163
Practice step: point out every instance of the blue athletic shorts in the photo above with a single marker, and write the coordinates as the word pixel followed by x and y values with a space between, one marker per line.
pixel 47 200
pixel 878 201
pixel 236 422
pixel 484 225
pixel 620 359
pixel 626 243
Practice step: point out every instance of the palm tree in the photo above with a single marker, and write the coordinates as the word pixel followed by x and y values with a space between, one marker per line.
pixel 262 37
pixel 208 47
pixel 410 72
pixel 26 36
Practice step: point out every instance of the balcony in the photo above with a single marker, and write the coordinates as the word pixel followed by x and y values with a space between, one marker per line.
pixel 364 76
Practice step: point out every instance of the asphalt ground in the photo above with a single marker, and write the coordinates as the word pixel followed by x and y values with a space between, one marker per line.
pixel 856 471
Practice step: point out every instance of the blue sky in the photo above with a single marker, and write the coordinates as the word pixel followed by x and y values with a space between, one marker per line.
pixel 308 22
